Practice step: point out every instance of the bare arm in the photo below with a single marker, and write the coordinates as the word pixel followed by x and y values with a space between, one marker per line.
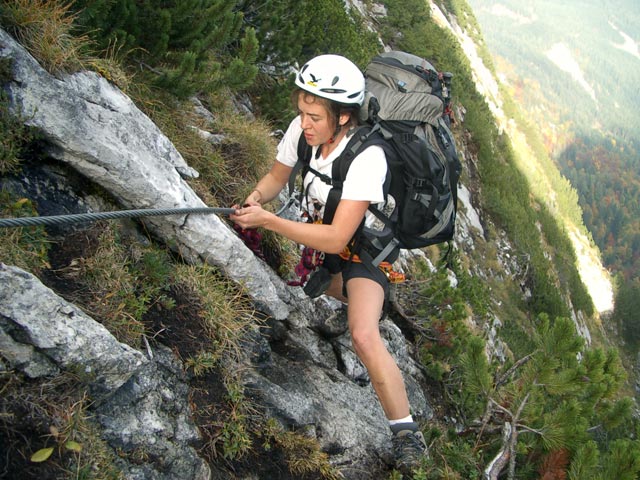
pixel 270 185
pixel 327 238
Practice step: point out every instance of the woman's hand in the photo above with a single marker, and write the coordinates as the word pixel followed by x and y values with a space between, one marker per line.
pixel 326 238
pixel 254 198
pixel 251 215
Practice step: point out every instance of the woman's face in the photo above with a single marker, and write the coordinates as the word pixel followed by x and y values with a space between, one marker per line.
pixel 316 121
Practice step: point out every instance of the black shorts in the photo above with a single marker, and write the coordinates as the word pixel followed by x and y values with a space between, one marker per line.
pixel 336 264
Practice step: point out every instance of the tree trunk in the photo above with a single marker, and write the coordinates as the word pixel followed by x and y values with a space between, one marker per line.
pixel 502 458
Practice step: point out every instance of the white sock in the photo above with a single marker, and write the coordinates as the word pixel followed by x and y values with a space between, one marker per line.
pixel 408 419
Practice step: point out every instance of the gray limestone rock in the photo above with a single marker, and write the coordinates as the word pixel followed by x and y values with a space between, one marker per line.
pixel 98 131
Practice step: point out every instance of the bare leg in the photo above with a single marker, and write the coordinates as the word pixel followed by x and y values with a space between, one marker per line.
pixel 366 299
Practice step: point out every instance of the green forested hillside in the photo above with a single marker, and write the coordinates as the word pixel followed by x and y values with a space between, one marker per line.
pixel 588 115
pixel 606 177
pixel 523 33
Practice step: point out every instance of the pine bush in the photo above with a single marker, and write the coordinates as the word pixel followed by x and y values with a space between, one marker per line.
pixel 186 46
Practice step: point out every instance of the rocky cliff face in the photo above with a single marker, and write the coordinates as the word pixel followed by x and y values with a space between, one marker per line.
pixel 301 368
pixel 307 376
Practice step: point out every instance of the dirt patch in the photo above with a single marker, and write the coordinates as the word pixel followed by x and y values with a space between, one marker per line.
pixel 64 256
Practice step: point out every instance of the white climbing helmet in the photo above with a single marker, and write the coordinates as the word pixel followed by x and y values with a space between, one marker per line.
pixel 333 77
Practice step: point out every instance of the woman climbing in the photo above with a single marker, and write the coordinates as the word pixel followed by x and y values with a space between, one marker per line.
pixel 330 91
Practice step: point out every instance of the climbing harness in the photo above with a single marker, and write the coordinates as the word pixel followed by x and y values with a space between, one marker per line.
pixel 387 268
pixel 91 217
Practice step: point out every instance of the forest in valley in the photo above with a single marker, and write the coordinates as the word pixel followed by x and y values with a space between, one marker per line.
pixel 610 197
pixel 578 81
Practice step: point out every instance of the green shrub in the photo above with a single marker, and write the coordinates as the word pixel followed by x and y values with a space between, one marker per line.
pixel 184 47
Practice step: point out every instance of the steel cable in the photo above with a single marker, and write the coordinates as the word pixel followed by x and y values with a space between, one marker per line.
pixel 91 217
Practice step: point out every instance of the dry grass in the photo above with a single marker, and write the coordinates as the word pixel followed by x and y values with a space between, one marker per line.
pixel 302 452
pixel 109 64
pixel 227 314
pixel 51 416
pixel 249 150
pixel 45 28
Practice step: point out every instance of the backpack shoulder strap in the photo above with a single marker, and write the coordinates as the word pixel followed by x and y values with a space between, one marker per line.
pixel 303 164
pixel 304 149
pixel 304 158
pixel 363 137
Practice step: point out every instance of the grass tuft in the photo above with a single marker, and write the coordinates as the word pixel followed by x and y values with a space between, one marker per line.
pixel 227 315
pixel 23 247
pixel 248 149
pixel 302 453
pixel 47 431
pixel 45 29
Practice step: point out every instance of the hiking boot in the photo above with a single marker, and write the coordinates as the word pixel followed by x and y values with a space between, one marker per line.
pixel 409 448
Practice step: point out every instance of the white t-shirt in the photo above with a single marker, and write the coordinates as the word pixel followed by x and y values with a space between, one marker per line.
pixel 365 177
